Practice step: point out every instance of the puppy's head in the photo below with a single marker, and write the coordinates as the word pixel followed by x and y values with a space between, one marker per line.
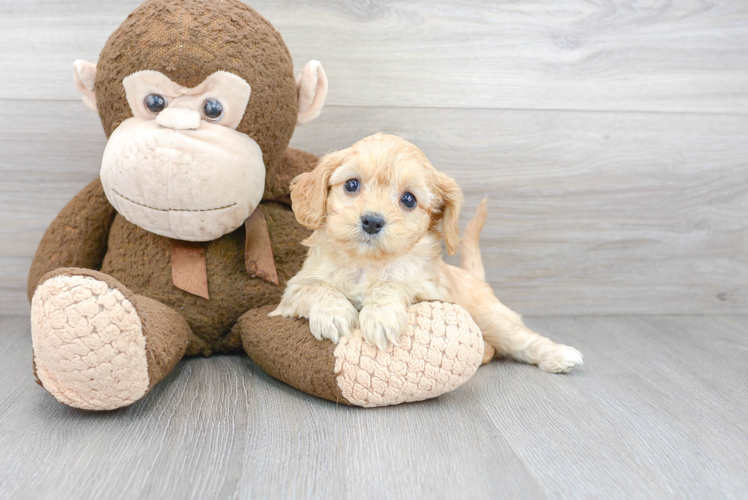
pixel 378 198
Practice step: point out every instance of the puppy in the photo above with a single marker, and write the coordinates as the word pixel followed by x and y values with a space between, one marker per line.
pixel 380 211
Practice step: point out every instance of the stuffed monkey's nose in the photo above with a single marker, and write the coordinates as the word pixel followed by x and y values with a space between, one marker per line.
pixel 179 119
pixel 372 223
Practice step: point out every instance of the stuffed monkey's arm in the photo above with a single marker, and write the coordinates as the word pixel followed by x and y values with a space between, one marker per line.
pixel 77 237
pixel 278 179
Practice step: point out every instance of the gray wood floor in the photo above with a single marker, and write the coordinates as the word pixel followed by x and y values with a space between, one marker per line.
pixel 659 410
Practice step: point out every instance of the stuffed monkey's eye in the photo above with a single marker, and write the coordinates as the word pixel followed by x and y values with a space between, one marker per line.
pixel 352 185
pixel 408 200
pixel 154 103
pixel 212 109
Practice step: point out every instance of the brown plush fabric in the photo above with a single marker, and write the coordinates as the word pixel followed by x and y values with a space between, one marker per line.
pixel 141 261
pixel 167 337
pixel 286 350
pixel 33 368
pixel 278 178
pixel 188 40
pixel 77 237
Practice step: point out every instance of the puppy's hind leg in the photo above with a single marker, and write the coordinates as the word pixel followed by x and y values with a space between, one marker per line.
pixel 516 340
pixel 503 328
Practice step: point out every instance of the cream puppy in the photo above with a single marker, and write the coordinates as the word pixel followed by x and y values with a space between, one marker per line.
pixel 380 211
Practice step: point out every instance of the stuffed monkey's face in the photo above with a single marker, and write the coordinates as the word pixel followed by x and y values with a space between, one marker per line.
pixel 178 167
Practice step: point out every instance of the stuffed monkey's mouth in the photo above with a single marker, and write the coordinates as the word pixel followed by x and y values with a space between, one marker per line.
pixel 172 209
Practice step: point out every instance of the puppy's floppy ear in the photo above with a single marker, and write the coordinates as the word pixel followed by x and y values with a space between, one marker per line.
pixel 309 190
pixel 451 196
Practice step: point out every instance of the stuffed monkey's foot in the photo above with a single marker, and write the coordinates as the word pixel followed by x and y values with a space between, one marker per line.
pixel 89 348
pixel 89 337
pixel 440 350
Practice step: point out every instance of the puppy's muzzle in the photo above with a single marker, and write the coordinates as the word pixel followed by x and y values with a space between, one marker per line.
pixel 372 223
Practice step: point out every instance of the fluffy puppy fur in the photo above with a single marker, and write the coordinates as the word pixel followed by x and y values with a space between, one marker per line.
pixel 380 211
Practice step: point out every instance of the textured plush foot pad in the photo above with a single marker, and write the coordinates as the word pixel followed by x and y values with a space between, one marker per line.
pixel 89 348
pixel 441 349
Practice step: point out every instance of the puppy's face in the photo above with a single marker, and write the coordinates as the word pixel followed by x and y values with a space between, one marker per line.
pixel 378 198
pixel 379 202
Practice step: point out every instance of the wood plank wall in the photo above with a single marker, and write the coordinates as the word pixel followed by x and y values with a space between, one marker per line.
pixel 611 136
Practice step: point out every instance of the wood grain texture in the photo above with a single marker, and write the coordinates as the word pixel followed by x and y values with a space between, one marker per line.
pixel 657 411
pixel 596 213
pixel 689 55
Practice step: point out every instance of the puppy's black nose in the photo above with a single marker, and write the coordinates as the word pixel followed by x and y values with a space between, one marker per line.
pixel 372 223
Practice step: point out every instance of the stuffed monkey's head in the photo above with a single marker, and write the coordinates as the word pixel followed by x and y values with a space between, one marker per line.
pixel 197 98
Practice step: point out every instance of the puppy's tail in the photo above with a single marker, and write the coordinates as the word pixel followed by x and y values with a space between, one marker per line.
pixel 470 259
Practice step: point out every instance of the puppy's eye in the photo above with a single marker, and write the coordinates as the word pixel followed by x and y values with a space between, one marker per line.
pixel 352 185
pixel 408 200
pixel 154 103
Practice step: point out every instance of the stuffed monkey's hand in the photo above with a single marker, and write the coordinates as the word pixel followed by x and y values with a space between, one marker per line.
pixel 383 322
pixel 333 318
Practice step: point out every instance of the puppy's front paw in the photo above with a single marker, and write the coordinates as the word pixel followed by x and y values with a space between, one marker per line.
pixel 560 360
pixel 333 319
pixel 381 323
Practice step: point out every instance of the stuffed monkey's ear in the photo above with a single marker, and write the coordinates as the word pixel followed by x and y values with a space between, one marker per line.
pixel 84 77
pixel 311 87
pixel 309 190
pixel 451 195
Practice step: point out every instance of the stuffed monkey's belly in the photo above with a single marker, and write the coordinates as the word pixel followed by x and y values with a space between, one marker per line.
pixel 142 262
